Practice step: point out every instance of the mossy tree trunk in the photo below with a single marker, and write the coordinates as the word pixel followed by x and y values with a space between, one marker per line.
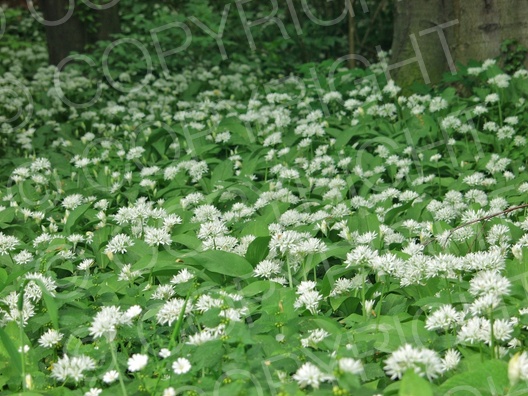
pixel 485 24
pixel 431 36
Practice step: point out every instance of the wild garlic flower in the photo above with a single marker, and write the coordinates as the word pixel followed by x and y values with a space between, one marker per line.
pixel 7 243
pixel 119 244
pixel 127 274
pixel 489 283
pixel 50 338
pixel 23 257
pixel 157 236
pixel 450 360
pixel 73 201
pixel 181 366
pixel 107 321
pixel 314 337
pixel 344 285
pixel 309 300
pixel 268 268
pixel 184 275
pixel 349 365
pixel 518 368
pixel 170 311
pixel 137 362
pixel 163 292
pixel 444 318
pixel 475 329
pixel 425 362
pixel 110 376
pixel 72 368
pixel 310 375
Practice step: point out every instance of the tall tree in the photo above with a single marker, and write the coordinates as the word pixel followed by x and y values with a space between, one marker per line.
pixel 431 36
pixel 71 25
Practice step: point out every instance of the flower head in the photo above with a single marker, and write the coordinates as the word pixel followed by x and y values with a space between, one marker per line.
pixel 137 362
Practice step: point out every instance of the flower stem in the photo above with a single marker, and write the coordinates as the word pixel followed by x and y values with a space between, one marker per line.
pixel 114 360
pixel 290 278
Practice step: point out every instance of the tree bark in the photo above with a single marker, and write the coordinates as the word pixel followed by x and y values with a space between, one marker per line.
pixel 413 19
pixel 485 24
pixel 351 35
pixel 109 24
pixel 74 34
pixel 65 37
pixel 473 30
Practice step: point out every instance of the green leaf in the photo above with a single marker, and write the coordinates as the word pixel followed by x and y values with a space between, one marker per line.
pixel 221 262
pixel 222 172
pixel 258 250
pixel 9 347
pixel 333 251
pixel 3 278
pixel 258 287
pixel 395 212
pixel 7 215
pixel 487 378
pixel 51 304
pixel 187 240
pixel 74 217
pixel 414 385
pixel 208 354
pixel 74 346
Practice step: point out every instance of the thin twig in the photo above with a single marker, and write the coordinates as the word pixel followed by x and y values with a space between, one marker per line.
pixel 485 218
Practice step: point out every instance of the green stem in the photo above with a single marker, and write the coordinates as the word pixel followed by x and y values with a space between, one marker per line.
pixel 500 112
pixel 114 360
pixel 177 327
pixel 363 292
pixel 22 351
pixel 492 337
pixel 20 307
pixel 290 277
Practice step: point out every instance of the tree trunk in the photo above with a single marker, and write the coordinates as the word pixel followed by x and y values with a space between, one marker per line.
pixel 411 20
pixel 430 36
pixel 485 24
pixel 351 35
pixel 64 37
pixel 73 34
pixel 108 21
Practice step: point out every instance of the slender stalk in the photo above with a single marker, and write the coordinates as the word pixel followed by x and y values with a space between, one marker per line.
pixel 290 277
pixel 500 112
pixel 20 307
pixel 492 337
pixel 22 351
pixel 177 327
pixel 114 360
pixel 363 292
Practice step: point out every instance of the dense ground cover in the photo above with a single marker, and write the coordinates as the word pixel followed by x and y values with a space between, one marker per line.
pixel 210 231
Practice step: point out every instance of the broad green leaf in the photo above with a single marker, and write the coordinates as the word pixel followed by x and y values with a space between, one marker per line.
pixel 7 215
pixel 187 240
pixel 50 302
pixel 414 385
pixel 3 278
pixel 221 262
pixel 8 347
pixel 486 378
pixel 258 250
pixel 222 172
pixel 208 354
pixel 332 251
pixel 75 216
